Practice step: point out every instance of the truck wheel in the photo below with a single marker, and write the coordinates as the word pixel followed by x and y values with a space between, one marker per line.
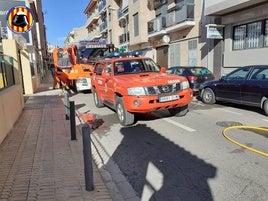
pixel 96 98
pixel 73 86
pixel 208 96
pixel 265 107
pixel 125 118
pixel 179 111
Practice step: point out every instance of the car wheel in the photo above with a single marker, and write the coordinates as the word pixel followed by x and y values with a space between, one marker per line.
pixel 96 98
pixel 208 96
pixel 265 107
pixel 125 118
pixel 179 111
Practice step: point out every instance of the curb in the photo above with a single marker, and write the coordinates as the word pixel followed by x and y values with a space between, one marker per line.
pixel 116 183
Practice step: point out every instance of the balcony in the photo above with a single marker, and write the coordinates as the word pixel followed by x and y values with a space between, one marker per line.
pixel 92 20
pixel 102 5
pixel 122 12
pixel 90 6
pixel 180 18
pixel 103 26
pixel 157 25
pixel 95 34
pixel 124 38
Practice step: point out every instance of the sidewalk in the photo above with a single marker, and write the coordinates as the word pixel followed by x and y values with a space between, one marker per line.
pixel 38 159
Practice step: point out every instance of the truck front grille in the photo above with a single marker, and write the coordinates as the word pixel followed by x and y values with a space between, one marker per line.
pixel 163 89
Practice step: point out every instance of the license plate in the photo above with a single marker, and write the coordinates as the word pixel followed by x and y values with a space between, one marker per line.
pixel 168 98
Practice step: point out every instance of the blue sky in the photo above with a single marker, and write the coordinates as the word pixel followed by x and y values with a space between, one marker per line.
pixel 61 16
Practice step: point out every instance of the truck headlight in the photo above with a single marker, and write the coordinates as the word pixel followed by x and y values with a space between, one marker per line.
pixel 185 85
pixel 136 91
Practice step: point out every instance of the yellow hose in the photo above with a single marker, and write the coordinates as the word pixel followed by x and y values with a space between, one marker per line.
pixel 242 145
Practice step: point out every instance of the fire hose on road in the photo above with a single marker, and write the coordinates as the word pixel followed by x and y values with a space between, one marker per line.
pixel 224 133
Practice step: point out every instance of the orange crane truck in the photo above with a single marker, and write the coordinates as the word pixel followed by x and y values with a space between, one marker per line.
pixel 74 65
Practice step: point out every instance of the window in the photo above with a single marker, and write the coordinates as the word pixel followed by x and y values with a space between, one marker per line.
pixel 254 35
pixel 239 37
pixel 239 74
pixel 192 53
pixel 98 68
pixel 251 35
pixel 266 34
pixel 108 68
pixel 259 74
pixel 136 24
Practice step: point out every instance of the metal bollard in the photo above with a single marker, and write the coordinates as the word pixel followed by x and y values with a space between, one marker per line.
pixel 67 105
pixel 87 158
pixel 72 120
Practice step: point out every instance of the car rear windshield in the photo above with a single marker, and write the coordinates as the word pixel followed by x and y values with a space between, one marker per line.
pixel 200 71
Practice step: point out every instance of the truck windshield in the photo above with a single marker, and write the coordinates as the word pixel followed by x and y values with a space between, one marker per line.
pixel 135 66
pixel 89 55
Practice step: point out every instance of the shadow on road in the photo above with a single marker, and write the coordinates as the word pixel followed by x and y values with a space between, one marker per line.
pixel 160 170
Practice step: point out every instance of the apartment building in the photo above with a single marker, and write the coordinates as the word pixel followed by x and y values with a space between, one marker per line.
pixel 102 21
pixel 169 31
pixel 33 41
pixel 38 48
pixel 76 35
pixel 175 32
pixel 245 38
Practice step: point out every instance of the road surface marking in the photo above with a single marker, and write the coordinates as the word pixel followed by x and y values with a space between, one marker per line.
pixel 179 125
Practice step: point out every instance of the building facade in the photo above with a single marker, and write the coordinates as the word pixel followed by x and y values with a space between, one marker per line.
pixel 245 40
pixel 166 30
pixel 33 41
pixel 174 32
pixel 218 34
pixel 76 35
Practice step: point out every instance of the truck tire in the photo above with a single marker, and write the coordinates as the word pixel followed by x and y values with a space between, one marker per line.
pixel 125 118
pixel 96 98
pixel 179 111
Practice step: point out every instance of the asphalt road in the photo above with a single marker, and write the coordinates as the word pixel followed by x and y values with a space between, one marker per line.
pixel 184 158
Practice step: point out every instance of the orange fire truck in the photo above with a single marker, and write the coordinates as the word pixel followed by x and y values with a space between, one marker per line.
pixel 73 65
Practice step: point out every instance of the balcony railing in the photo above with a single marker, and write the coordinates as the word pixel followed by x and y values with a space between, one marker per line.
pixel 181 14
pixel 6 72
pixel 122 12
pixel 124 38
pixel 103 26
pixel 157 24
pixel 92 19
pixel 102 5
pixel 185 13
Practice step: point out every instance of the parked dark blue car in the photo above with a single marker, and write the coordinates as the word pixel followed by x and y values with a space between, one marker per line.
pixel 246 86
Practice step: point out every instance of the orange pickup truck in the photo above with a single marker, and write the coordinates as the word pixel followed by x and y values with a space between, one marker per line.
pixel 131 85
